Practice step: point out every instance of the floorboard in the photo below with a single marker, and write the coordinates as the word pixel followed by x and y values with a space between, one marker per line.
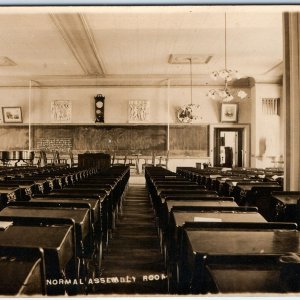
pixel 133 255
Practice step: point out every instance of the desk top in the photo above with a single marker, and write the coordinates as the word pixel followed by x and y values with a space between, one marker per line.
pixel 53 239
pixel 243 241
pixel 94 203
pixel 287 199
pixel 173 182
pixel 188 216
pixel 79 215
pixel 98 183
pixel 199 203
pixel 83 190
pixel 176 184
pixel 8 189
pixel 188 197
pixel 263 185
pixel 65 195
pixel 180 189
pixel 48 238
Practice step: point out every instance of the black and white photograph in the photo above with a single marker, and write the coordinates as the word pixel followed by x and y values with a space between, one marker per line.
pixel 150 150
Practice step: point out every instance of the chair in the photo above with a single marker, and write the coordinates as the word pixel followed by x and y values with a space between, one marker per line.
pixel 64 158
pixel 41 158
pixel 73 159
pixel 133 163
pixel 163 161
pixel 147 163
pixel 51 158
pixel 119 160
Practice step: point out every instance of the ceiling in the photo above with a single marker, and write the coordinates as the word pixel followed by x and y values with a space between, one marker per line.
pixel 81 46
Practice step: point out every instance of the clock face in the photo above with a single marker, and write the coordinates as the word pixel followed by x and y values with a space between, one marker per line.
pixel 99 104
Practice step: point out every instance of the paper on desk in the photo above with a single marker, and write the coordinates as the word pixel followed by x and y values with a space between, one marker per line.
pixel 201 219
pixel 5 224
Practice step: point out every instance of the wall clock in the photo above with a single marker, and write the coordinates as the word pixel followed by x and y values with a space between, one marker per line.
pixel 99 108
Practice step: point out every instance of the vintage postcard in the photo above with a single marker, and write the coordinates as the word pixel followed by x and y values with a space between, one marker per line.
pixel 149 150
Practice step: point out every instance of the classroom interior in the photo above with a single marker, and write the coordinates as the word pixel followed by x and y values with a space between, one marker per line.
pixel 136 142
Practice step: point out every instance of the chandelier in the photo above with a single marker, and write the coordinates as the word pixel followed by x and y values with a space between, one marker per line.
pixel 226 94
pixel 190 112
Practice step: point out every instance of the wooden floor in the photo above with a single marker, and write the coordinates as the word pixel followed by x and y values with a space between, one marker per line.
pixel 133 256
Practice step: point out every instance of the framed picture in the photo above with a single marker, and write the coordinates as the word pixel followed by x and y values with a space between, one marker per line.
pixel 12 114
pixel 229 112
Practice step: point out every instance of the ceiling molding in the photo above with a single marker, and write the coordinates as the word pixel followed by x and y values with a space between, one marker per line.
pixel 189 58
pixel 274 67
pixel 77 35
pixel 6 62
pixel 130 80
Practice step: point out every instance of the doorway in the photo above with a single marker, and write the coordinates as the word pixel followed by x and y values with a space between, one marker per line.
pixel 228 145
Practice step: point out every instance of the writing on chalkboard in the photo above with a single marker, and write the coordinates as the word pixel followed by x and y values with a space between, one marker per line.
pixel 60 144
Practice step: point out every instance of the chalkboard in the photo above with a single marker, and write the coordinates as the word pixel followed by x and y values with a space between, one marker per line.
pixel 187 140
pixel 14 138
pixel 108 138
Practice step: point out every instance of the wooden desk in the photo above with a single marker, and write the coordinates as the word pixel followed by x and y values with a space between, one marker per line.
pixel 178 188
pixel 57 243
pixel 251 274
pixel 84 191
pixel 36 186
pixel 187 195
pixel 181 217
pixel 257 194
pixel 201 242
pixel 75 195
pixel 79 215
pixel 8 194
pixel 47 182
pixel 198 203
pixel 95 206
pixel 29 278
pixel 285 206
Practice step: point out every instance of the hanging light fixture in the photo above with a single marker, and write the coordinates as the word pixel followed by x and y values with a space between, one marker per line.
pixel 225 94
pixel 190 112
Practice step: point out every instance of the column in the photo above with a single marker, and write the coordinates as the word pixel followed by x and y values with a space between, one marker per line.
pixel 291 93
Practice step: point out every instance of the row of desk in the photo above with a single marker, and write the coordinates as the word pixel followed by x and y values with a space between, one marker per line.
pixel 215 244
pixel 262 188
pixel 65 223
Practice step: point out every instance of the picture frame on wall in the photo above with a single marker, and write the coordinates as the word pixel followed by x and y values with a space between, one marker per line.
pixel 229 112
pixel 12 114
